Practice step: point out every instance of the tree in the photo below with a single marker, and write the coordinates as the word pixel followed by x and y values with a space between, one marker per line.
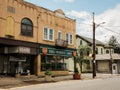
pixel 113 41
pixel 83 55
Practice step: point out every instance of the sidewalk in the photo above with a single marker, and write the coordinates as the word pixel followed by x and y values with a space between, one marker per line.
pixel 10 82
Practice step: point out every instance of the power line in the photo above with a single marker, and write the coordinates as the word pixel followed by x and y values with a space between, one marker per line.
pixel 110 30
pixel 84 23
pixel 112 26
pixel 102 27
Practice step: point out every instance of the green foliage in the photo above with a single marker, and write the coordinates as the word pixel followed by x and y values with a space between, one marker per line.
pixel 83 56
pixel 113 41
pixel 76 70
pixel 117 50
pixel 48 72
pixel 84 51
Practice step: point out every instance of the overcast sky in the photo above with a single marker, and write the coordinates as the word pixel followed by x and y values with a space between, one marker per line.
pixel 107 11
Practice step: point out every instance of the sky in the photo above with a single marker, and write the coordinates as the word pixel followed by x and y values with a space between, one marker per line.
pixel 107 11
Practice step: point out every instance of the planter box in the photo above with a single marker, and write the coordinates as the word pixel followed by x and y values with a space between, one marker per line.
pixel 76 76
pixel 48 78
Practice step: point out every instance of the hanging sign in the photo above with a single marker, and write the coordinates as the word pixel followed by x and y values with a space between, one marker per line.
pixel 44 51
pixel 74 53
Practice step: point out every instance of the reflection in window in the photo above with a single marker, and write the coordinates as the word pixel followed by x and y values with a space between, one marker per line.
pixel 51 34
pixel 26 27
pixel 48 34
pixel 45 33
pixel 69 38
pixel 52 63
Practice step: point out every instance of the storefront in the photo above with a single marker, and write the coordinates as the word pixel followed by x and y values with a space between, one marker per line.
pixel 17 57
pixel 55 59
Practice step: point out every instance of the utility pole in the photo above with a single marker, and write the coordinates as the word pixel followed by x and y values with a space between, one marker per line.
pixel 93 61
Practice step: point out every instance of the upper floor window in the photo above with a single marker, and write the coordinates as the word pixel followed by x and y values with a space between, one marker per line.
pixel 69 38
pixel 48 34
pixel 80 42
pixel 101 51
pixel 59 35
pixel 112 51
pixel 96 50
pixel 45 33
pixel 26 27
pixel 107 51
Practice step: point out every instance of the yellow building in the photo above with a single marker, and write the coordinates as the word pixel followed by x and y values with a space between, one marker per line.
pixel 27 31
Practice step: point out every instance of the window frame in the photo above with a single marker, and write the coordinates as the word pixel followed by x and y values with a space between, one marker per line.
pixel 69 39
pixel 107 51
pixel 48 34
pixel 101 50
pixel 60 33
pixel 81 42
pixel 27 29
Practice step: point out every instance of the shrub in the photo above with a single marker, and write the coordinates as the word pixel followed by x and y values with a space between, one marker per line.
pixel 76 70
pixel 48 72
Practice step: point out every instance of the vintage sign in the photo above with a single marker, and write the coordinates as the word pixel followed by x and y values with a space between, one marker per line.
pixel 74 53
pixel 25 50
pixel 44 51
pixel 61 52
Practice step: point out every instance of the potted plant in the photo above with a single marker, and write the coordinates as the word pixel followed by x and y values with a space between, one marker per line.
pixel 76 74
pixel 48 75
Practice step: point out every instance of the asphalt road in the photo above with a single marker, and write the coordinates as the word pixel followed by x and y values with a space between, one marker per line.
pixel 112 83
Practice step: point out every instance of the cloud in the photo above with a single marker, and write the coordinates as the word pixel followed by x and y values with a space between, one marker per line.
pixel 81 15
pixel 69 1
pixel 111 17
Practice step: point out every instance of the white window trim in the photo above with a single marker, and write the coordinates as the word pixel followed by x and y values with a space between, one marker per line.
pixel 43 33
pixel 49 34
pixel 61 33
pixel 72 39
pixel 69 39
pixel 48 29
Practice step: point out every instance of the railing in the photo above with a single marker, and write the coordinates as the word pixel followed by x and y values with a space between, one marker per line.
pixel 62 43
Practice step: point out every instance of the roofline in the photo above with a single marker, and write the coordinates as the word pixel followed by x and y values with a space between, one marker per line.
pixel 36 6
pixel 88 41
pixel 82 38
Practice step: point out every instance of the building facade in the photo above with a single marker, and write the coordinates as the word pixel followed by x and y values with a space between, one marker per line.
pixel 106 60
pixel 34 39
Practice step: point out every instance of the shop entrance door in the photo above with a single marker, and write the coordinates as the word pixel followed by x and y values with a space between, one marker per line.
pixel 114 69
pixel 32 65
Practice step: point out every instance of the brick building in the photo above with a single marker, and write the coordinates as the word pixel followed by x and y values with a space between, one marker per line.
pixel 26 30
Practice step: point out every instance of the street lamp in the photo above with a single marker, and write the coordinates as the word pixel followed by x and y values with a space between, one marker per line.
pixel 93 55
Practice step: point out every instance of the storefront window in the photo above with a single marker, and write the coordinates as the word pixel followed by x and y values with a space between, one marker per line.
pixel 52 62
